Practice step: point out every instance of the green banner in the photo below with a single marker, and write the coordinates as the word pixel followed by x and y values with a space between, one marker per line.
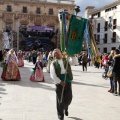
pixel 75 35
pixel 63 33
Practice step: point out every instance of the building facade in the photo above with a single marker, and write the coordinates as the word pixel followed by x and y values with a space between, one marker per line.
pixel 17 14
pixel 106 26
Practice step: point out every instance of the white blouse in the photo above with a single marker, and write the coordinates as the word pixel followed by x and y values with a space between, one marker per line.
pixel 72 61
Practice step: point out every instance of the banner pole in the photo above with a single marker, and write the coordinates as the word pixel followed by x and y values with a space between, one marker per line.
pixel 64 81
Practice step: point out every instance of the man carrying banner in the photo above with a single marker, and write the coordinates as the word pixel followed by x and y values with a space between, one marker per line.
pixel 58 68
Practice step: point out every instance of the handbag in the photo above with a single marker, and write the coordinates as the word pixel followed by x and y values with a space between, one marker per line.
pixel 109 73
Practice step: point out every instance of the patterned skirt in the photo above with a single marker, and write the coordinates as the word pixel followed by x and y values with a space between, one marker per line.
pixel 20 62
pixel 11 72
pixel 38 76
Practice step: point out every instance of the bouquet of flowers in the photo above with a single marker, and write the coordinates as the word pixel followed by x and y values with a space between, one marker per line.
pixel 4 65
pixel 33 71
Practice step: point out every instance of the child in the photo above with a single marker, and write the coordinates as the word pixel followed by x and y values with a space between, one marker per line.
pixel 38 76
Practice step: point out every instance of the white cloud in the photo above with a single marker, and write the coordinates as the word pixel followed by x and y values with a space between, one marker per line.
pixel 97 3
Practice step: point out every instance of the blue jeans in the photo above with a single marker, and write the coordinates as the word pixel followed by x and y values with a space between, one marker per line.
pixel 112 83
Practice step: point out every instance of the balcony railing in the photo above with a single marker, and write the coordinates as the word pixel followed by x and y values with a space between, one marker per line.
pixel 98 29
pixel 106 28
pixel 113 39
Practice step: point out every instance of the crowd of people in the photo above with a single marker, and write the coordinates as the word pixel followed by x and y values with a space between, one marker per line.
pixel 111 65
pixel 58 67
pixel 60 70
pixel 11 61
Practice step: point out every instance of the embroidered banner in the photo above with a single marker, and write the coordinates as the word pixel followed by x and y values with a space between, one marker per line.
pixel 75 35
pixel 63 33
pixel 94 48
pixel 88 38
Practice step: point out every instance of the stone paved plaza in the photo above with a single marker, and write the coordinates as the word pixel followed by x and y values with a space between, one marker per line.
pixel 26 100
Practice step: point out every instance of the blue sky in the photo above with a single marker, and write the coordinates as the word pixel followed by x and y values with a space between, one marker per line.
pixel 97 3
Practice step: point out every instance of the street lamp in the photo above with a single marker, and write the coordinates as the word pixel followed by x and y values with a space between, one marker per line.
pixel 77 9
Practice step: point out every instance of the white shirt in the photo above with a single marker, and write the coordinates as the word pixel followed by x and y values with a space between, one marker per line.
pixel 72 61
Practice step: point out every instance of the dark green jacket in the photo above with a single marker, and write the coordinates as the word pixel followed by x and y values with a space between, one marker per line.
pixel 58 68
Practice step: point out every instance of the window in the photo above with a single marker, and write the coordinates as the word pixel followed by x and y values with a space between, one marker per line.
pixel 109 9
pixel 9 8
pixel 113 48
pixel 105 50
pixel 114 37
pixel 96 15
pixel 98 29
pixel 50 11
pixel 24 9
pixel 99 14
pixel 99 49
pixel 114 23
pixel 38 11
pixel 106 25
pixel 105 38
pixel 98 39
pixel 95 36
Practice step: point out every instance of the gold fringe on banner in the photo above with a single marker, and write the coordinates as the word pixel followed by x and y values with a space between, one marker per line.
pixel 94 47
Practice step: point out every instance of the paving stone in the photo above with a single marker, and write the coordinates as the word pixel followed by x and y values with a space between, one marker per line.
pixel 27 100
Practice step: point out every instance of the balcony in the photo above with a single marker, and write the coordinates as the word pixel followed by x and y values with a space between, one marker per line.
pixel 105 40
pixel 113 39
pixel 105 28
pixel 114 26
pixel 98 30
pixel 97 42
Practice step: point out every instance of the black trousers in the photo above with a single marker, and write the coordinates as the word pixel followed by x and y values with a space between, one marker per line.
pixel 34 60
pixel 67 98
pixel 116 79
pixel 97 64
pixel 84 65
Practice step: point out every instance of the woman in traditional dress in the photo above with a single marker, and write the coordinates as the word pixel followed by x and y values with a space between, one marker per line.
pixel 12 71
pixel 50 58
pixel 45 56
pixel 20 59
pixel 38 76
pixel 40 55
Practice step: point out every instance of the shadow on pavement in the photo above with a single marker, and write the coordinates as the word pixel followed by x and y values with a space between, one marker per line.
pixel 25 73
pixel 86 71
pixel 80 83
pixel 2 90
pixel 75 118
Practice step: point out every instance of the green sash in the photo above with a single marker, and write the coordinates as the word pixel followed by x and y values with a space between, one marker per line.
pixel 62 78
